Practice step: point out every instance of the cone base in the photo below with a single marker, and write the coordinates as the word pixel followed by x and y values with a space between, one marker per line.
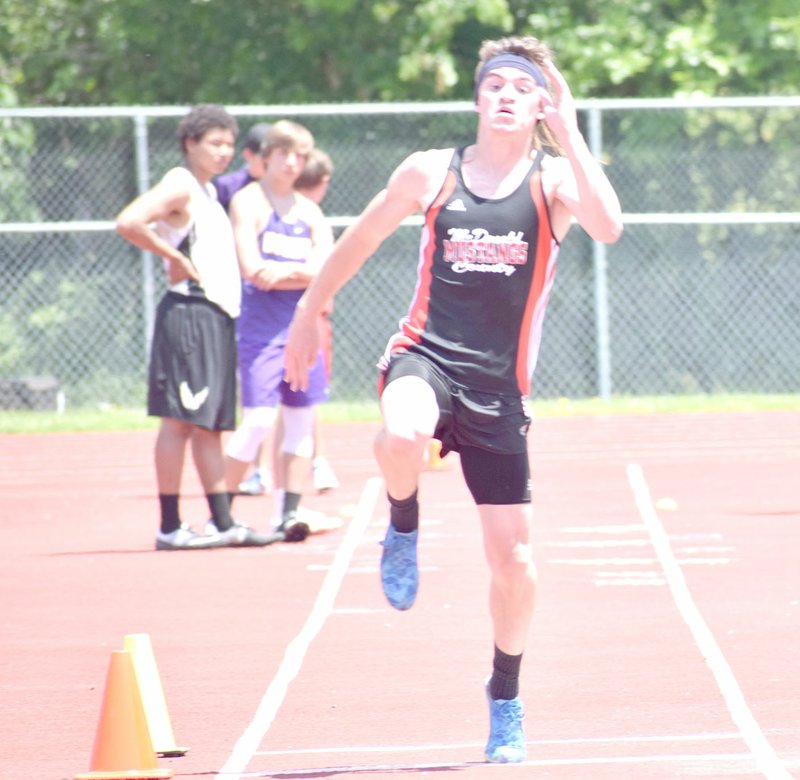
pixel 174 752
pixel 140 774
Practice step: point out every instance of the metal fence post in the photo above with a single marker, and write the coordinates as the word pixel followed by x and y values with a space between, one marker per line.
pixel 682 271
pixel 142 185
pixel 602 334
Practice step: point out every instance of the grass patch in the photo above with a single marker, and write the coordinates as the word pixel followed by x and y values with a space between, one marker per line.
pixel 76 421
pixel 123 419
pixel 665 404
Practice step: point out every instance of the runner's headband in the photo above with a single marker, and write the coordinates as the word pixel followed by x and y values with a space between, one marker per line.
pixel 509 60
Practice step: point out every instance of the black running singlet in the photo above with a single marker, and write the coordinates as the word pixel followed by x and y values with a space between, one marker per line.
pixel 486 268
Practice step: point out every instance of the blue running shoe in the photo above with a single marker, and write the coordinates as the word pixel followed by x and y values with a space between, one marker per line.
pixel 399 572
pixel 506 743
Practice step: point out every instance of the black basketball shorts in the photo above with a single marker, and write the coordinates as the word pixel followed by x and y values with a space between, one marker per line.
pixel 192 373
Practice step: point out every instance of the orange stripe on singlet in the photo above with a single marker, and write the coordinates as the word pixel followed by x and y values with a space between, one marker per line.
pixel 541 275
pixel 415 320
pixel 417 317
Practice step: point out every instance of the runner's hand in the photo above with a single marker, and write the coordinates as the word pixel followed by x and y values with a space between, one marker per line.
pixel 302 348
pixel 558 109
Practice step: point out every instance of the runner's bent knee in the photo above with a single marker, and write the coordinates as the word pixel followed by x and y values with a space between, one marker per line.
pixel 410 411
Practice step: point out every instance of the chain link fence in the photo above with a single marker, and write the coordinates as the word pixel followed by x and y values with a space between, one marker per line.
pixel 699 295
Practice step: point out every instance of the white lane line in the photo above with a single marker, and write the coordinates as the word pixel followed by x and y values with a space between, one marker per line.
pixel 729 763
pixel 602 529
pixel 295 652
pixel 705 737
pixel 603 561
pixel 600 543
pixel 767 760
pixel 637 561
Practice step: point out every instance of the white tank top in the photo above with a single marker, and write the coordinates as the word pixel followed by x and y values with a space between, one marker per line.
pixel 211 247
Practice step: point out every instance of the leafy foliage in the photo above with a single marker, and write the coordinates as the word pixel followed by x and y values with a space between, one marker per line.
pixel 84 52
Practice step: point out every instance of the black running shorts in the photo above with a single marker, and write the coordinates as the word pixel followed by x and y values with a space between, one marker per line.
pixel 468 418
pixel 193 363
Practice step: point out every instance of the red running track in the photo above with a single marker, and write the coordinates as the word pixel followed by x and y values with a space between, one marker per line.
pixel 664 645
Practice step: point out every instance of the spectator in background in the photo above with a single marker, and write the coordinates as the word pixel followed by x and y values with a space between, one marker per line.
pixel 282 238
pixel 229 184
pixel 313 183
pixel 192 377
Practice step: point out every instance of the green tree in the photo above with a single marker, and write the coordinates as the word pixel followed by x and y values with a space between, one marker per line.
pixel 82 52
pixel 641 48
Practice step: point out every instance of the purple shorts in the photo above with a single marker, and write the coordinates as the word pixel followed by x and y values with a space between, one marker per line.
pixel 261 370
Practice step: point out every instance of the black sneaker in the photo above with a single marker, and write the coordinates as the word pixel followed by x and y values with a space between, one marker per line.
pixel 293 529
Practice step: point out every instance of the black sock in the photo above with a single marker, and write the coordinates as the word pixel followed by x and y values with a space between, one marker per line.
pixel 231 496
pixel 505 675
pixel 290 503
pixel 170 519
pixel 220 508
pixel 404 515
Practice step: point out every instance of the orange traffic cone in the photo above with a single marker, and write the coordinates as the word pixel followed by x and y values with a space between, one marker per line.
pixel 153 701
pixel 122 746
pixel 435 459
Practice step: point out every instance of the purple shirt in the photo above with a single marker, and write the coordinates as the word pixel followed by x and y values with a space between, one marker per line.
pixel 229 184
pixel 267 314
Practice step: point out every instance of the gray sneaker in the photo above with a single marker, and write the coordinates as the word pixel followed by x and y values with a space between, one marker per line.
pixel 240 535
pixel 184 538
pixel 254 485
